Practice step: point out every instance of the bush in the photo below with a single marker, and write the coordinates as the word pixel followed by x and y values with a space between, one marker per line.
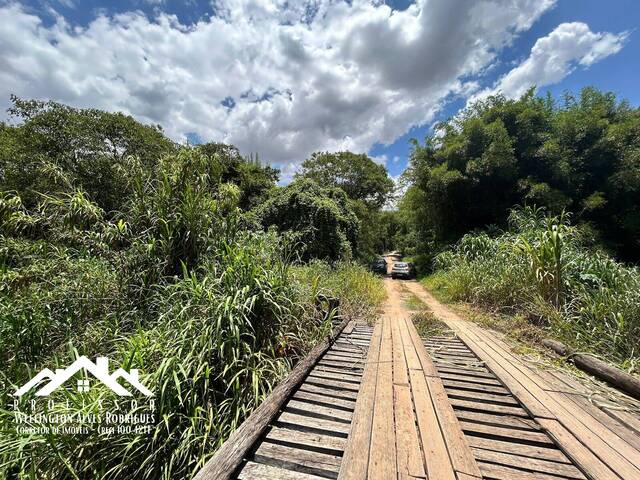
pixel 320 218
pixel 544 267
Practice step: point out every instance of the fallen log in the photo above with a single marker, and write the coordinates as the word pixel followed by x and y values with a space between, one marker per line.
pixel 599 369
pixel 230 456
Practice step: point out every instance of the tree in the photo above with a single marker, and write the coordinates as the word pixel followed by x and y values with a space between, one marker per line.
pixel 61 148
pixel 319 217
pixel 360 177
pixel 253 179
pixel 367 185
pixel 579 155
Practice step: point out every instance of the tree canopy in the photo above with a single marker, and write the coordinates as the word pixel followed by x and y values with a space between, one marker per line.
pixel 581 154
pixel 253 179
pixel 319 217
pixel 356 174
pixel 56 147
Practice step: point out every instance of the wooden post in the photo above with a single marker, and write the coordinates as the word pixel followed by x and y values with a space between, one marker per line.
pixel 229 457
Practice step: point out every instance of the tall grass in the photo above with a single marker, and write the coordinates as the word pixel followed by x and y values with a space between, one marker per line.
pixel 546 269
pixel 180 286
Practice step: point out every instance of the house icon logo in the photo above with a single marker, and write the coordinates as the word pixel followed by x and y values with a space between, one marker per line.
pixel 100 370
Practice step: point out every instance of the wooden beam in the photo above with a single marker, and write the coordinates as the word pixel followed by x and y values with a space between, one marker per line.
pixel 229 457
pixel 355 460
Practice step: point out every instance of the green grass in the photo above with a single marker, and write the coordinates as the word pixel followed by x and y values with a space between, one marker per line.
pixel 427 324
pixel 545 274
pixel 184 287
pixel 412 302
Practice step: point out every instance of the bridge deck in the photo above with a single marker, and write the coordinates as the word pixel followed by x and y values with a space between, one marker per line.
pixel 384 403
pixel 603 443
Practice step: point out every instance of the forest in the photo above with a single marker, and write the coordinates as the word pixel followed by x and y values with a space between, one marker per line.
pixel 194 264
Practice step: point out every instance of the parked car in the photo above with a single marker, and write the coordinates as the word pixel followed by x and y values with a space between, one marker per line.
pixel 379 265
pixel 403 270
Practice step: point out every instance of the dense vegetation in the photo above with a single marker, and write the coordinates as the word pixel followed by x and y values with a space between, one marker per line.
pixel 575 166
pixel 581 155
pixel 115 241
pixel 551 273
pixel 192 264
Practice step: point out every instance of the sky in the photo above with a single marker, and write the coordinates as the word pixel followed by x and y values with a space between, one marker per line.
pixel 285 78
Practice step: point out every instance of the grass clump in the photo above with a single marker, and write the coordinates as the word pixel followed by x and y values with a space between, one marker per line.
pixel 546 271
pixel 412 302
pixel 181 284
pixel 428 325
pixel 360 292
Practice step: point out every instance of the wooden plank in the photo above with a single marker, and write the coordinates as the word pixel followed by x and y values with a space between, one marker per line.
pixel 409 454
pixel 479 373
pixel 231 454
pixel 474 387
pixel 461 376
pixel 531 394
pixel 482 397
pixel 333 375
pixel 502 472
pixel 631 420
pixel 349 328
pixel 400 376
pixel 628 435
pixel 488 407
pixel 522 449
pixel 437 458
pixel 297 459
pixel 382 456
pixel 491 419
pixel 318 411
pixel 513 434
pixel 314 398
pixel 345 355
pixel 354 376
pixel 337 347
pixel 534 464
pixel 348 360
pixel 258 471
pixel 355 460
pixel 355 365
pixel 411 357
pixel 333 384
pixel 577 452
pixel 323 426
pixel 327 392
pixel 603 443
pixel 461 456
pixel 309 440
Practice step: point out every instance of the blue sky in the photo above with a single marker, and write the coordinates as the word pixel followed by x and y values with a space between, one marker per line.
pixel 287 77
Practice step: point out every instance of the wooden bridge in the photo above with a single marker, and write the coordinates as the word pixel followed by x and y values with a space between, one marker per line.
pixel 382 403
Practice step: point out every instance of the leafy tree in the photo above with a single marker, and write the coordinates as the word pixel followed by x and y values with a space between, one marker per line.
pixel 321 218
pixel 580 155
pixel 366 183
pixel 360 177
pixel 253 179
pixel 61 148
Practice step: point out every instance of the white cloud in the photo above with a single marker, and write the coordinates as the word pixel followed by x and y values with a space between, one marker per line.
pixel 304 75
pixel 555 56
pixel 380 159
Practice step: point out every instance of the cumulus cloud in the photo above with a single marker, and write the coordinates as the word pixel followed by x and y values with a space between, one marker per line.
pixel 555 56
pixel 278 77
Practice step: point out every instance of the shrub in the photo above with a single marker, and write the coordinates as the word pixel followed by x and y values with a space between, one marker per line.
pixel 544 268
